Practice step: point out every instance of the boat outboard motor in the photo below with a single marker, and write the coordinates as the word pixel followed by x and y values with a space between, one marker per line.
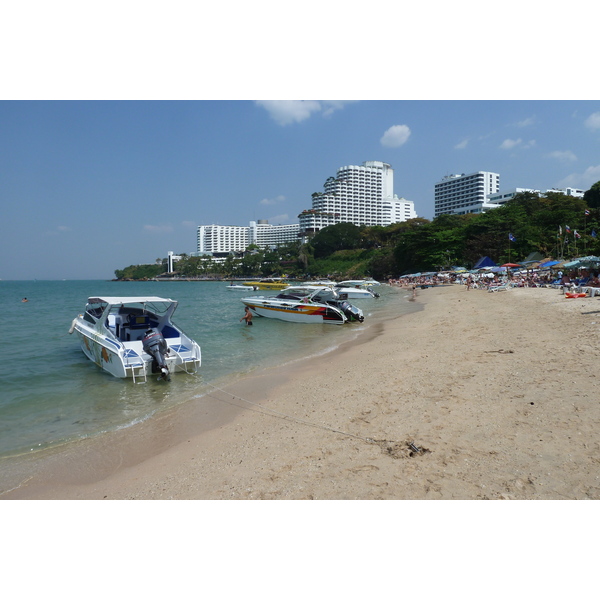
pixel 352 313
pixel 156 346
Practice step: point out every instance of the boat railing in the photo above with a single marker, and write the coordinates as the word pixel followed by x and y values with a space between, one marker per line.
pixel 187 353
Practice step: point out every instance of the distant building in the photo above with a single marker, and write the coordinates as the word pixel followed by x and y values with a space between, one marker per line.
pixel 462 194
pixel 504 196
pixel 568 192
pixel 362 195
pixel 229 238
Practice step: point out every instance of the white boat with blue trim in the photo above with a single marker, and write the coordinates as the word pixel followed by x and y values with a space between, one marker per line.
pixel 134 337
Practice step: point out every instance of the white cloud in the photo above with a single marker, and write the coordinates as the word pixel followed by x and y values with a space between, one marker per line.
pixel 189 224
pixel 582 180
pixel 526 122
pixel 566 156
pixel 158 228
pixel 285 112
pixel 462 145
pixel 593 121
pixel 395 136
pixel 509 144
pixel 270 201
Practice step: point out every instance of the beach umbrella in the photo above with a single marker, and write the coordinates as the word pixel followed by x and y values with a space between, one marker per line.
pixel 510 265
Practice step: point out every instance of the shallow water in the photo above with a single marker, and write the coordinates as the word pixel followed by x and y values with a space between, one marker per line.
pixel 52 394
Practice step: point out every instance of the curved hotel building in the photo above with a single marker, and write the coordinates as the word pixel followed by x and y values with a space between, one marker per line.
pixel 362 195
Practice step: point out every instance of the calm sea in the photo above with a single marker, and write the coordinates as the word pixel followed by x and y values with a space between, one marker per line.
pixel 52 394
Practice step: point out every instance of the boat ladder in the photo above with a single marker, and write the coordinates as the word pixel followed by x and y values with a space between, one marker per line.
pixel 185 358
pixel 134 365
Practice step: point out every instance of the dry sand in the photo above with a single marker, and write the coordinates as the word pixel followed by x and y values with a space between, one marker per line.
pixel 496 391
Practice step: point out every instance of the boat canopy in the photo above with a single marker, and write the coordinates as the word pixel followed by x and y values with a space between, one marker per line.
pixel 127 299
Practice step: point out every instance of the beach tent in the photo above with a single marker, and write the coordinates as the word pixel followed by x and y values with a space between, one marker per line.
pixel 548 264
pixel 484 261
pixel 534 257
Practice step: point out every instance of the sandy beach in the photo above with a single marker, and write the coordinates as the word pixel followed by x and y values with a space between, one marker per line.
pixel 477 396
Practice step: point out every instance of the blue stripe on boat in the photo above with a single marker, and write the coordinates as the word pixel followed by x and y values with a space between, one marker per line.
pixel 180 348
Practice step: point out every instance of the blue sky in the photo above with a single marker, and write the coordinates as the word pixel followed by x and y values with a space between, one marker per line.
pixel 119 136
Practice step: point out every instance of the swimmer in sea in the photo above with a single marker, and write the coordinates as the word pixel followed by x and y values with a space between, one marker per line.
pixel 247 316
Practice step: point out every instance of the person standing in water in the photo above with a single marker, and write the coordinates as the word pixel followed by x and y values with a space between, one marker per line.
pixel 247 316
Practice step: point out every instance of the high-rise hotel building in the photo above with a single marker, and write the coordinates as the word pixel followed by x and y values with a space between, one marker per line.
pixel 461 194
pixel 362 195
pixel 231 238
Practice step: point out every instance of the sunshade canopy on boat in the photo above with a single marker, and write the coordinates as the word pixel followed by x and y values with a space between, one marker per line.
pixel 126 299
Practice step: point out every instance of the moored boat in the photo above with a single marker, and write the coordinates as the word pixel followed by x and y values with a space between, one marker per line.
pixel 267 284
pixel 244 288
pixel 305 304
pixel 359 282
pixel 134 336
pixel 355 292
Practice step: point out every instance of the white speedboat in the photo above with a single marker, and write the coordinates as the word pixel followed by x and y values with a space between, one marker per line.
pixel 356 291
pixel 134 337
pixel 305 304
pixel 243 288
pixel 359 282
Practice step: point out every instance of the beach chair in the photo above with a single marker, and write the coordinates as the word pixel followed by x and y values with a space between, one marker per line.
pixel 499 288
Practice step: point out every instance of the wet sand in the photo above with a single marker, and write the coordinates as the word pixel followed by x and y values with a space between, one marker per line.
pixel 478 396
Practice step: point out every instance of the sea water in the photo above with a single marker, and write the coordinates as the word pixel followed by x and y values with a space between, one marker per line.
pixel 51 394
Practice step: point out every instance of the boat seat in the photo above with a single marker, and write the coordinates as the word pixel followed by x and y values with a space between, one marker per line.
pixel 139 321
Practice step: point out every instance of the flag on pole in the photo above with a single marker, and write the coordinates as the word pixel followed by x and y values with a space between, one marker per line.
pixel 511 237
pixel 577 236
pixel 593 233
pixel 567 229
pixel 559 231
pixel 586 213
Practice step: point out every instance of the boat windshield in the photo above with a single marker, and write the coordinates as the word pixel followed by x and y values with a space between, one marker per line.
pixel 93 311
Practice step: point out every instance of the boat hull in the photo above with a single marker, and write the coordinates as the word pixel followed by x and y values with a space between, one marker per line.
pixel 262 285
pixel 129 361
pixel 112 333
pixel 299 313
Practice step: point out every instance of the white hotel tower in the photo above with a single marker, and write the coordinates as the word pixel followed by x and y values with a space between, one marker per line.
pixel 462 194
pixel 230 238
pixel 362 195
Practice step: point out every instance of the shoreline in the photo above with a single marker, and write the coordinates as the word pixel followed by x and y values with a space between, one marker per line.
pixel 496 391
pixel 44 474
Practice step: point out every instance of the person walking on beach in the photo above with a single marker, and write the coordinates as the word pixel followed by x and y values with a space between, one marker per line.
pixel 247 316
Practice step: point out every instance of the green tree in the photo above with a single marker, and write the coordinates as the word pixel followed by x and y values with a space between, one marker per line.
pixel 592 196
pixel 342 236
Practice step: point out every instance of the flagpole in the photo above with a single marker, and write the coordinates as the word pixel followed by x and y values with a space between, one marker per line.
pixel 560 243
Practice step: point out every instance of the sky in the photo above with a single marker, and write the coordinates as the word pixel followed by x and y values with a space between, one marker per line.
pixel 117 142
